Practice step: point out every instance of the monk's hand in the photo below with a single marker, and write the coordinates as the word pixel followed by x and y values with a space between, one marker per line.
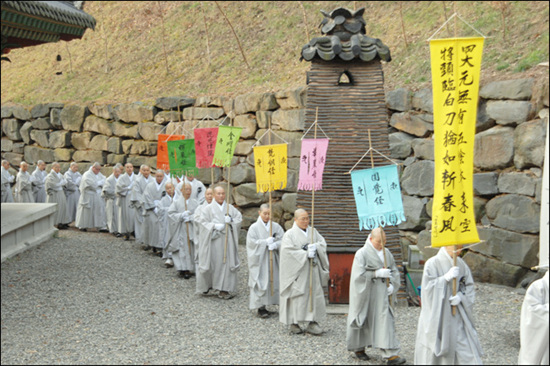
pixel 453 273
pixel 228 219
pixel 382 273
pixel 390 289
pixel 269 241
pixel 311 250
pixel 455 300
pixel 219 227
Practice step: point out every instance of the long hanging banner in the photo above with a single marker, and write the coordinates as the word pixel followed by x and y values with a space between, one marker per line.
pixel 162 149
pixel 271 165
pixel 312 164
pixel 181 154
pixel 544 208
pixel 456 65
pixel 205 145
pixel 225 145
pixel 378 197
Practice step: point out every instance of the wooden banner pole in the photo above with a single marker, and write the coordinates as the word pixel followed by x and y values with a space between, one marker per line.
pixel 227 195
pixel 312 225
pixel 270 221
pixel 454 279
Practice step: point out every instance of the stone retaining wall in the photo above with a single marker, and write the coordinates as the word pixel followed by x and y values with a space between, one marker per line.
pixel 509 154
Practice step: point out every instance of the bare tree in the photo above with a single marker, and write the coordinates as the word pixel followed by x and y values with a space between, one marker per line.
pixel 161 14
pixel 235 34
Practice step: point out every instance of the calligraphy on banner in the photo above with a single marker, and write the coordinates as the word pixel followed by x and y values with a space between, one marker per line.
pixel 312 164
pixel 225 145
pixel 205 145
pixel 162 149
pixel 456 65
pixel 181 154
pixel 270 165
pixel 378 197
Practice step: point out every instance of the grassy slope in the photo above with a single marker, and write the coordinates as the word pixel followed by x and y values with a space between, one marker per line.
pixel 272 35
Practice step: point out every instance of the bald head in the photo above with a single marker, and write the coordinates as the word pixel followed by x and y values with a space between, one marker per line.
pixel 209 195
pixel 24 166
pixel 301 218
pixel 219 195
pixel 378 238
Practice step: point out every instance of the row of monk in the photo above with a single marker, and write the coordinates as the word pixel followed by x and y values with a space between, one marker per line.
pixel 196 231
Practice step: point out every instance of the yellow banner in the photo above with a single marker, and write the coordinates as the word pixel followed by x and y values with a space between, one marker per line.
pixel 270 162
pixel 456 65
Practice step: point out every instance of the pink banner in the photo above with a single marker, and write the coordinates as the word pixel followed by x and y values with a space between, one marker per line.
pixel 205 145
pixel 312 164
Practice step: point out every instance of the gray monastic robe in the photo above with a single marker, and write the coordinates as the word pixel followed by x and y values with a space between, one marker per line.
pixel 294 268
pixel 151 200
pixel 212 272
pixel 164 232
pixel 38 190
pixel 55 194
pixel 534 324
pixel 91 208
pixel 370 318
pixel 183 253
pixel 111 210
pixel 197 231
pixel 197 189
pixel 126 212
pixel 137 200
pixel 444 339
pixel 259 280
pixel 23 188
pixel 72 191
pixel 7 179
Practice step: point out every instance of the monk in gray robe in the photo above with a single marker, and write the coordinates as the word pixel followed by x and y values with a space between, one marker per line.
pixel 137 200
pixel 197 187
pixel 108 195
pixel 55 194
pixel 7 180
pixel 23 185
pixel 162 213
pixel 263 241
pixel 181 244
pixel 39 178
pixel 371 316
pixel 303 258
pixel 123 192
pixel 534 324
pixel 443 338
pixel 209 197
pixel 218 262
pixel 91 210
pixel 153 194
pixel 72 189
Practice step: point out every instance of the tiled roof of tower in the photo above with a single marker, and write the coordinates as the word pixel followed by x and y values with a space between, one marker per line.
pixel 61 11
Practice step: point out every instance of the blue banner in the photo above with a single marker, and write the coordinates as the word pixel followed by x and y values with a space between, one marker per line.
pixel 378 197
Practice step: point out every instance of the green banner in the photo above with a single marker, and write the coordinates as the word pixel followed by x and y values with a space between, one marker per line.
pixel 225 145
pixel 181 156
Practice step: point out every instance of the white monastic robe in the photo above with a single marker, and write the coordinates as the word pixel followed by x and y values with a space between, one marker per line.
pixel 197 189
pixel 38 190
pixel 91 208
pixel 164 232
pixel 152 196
pixel 72 191
pixel 444 339
pixel 23 188
pixel 370 318
pixel 294 268
pixel 137 200
pixel 197 231
pixel 111 210
pixel 534 324
pixel 126 212
pixel 183 252
pixel 259 279
pixel 55 194
pixel 7 179
pixel 212 271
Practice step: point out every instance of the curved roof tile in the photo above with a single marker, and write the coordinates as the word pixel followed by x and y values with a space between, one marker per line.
pixel 359 46
pixel 61 11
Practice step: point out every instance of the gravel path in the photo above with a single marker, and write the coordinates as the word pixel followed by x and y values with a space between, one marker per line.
pixel 90 298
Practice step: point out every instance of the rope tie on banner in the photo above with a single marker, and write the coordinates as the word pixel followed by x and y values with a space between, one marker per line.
pixel 465 22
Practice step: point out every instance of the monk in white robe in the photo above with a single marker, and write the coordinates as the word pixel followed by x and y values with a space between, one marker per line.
pixel 7 180
pixel 534 324
pixel 263 241
pixel 55 194
pixel 23 185
pixel 108 195
pixel 209 197
pixel 302 254
pixel 123 192
pixel 371 316
pixel 137 200
pixel 215 273
pixel 181 244
pixel 444 339
pixel 72 189
pixel 154 191
pixel 162 213
pixel 39 178
pixel 197 187
pixel 91 208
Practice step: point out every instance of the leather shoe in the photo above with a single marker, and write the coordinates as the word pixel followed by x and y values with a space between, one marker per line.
pixel 396 360
pixel 362 356
pixel 186 275
pixel 225 295
pixel 295 329
pixel 314 329
pixel 263 313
